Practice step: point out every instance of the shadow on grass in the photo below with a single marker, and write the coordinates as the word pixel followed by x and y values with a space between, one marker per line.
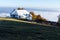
pixel 11 30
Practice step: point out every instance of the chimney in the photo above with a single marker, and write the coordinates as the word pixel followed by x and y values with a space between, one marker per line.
pixel 20 8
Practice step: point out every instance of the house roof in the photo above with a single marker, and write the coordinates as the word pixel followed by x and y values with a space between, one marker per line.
pixel 21 12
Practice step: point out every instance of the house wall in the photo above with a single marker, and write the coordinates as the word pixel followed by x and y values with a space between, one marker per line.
pixel 23 14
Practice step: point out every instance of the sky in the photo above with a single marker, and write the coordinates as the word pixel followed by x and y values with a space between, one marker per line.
pixel 31 3
pixel 51 4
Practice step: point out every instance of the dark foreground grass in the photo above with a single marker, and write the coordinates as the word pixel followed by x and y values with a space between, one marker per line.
pixel 12 30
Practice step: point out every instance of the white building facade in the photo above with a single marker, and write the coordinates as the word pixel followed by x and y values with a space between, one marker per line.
pixel 21 13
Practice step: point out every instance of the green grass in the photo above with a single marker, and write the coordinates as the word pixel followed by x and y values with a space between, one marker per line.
pixel 13 29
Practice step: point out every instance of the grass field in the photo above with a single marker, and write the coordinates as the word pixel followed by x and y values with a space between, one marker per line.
pixel 13 29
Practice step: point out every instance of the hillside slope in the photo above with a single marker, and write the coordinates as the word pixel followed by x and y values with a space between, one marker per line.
pixel 13 29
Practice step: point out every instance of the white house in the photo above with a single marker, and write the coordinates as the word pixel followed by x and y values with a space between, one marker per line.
pixel 21 13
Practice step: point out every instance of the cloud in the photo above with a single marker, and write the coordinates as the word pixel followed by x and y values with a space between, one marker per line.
pixel 4 14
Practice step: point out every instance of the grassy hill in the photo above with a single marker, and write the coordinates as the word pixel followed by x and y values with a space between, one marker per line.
pixel 13 29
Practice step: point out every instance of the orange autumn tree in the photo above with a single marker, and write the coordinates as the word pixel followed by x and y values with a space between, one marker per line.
pixel 40 18
pixel 35 17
